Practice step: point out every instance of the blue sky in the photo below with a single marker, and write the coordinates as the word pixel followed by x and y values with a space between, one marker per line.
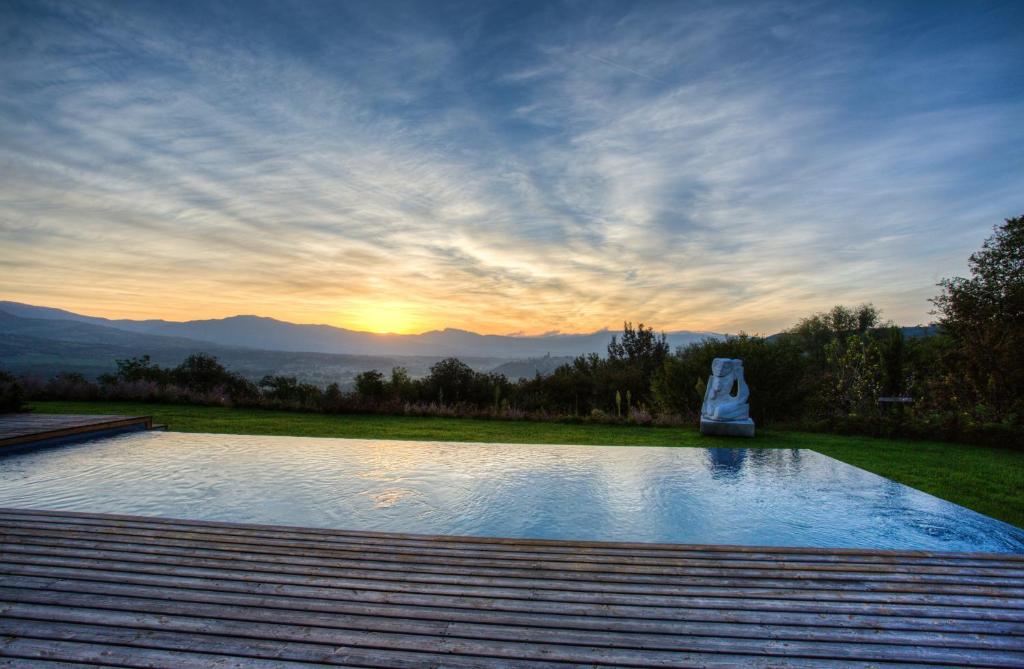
pixel 504 167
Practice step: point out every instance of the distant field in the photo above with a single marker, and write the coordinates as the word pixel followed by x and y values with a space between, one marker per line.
pixel 988 480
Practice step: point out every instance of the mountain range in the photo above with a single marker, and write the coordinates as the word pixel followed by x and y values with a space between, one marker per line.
pixel 270 334
pixel 43 340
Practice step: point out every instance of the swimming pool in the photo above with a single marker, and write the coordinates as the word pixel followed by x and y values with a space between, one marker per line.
pixel 748 496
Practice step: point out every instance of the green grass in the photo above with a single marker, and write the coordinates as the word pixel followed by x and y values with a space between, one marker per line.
pixel 988 480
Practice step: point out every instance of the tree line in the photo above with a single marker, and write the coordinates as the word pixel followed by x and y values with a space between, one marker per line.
pixel 962 379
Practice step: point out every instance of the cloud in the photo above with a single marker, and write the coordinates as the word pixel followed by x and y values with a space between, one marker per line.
pixel 714 166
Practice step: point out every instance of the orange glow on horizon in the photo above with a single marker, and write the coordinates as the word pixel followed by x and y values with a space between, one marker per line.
pixel 384 318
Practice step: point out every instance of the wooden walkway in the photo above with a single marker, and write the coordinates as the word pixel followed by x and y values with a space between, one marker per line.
pixel 147 592
pixel 20 429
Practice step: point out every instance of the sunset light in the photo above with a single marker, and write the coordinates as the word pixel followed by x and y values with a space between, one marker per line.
pixel 386 317
pixel 573 179
pixel 480 333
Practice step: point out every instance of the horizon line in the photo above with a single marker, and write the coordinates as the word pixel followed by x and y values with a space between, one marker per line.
pixel 518 335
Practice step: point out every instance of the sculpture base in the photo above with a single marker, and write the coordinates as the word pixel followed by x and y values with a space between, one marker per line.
pixel 727 428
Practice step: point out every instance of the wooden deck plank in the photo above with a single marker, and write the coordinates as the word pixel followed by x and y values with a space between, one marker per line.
pixel 139 591
pixel 132 648
pixel 564 546
pixel 25 663
pixel 993 613
pixel 521 612
pixel 313 643
pixel 640 634
pixel 502 552
pixel 152 552
pixel 1010 564
pixel 485 588
pixel 541 580
pixel 21 429
pixel 66 645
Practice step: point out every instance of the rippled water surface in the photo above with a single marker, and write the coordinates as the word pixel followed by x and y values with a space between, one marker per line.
pixel 687 495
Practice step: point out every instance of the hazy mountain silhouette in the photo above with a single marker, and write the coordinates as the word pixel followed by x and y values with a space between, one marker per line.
pixel 530 367
pixel 273 335
pixel 44 347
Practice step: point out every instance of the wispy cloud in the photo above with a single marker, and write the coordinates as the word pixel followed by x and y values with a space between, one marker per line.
pixel 503 167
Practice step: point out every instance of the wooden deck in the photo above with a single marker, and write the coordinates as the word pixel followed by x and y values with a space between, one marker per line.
pixel 144 592
pixel 21 429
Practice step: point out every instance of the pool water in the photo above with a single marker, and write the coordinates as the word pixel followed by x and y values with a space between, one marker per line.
pixel 748 496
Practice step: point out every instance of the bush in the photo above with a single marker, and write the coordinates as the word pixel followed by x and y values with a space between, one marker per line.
pixel 287 391
pixel 71 386
pixel 12 397
pixel 774 370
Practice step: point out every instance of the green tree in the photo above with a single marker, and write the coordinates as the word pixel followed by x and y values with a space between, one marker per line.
pixel 402 387
pixel 11 394
pixel 450 381
pixel 894 364
pixel 853 377
pixel 984 316
pixel 815 332
pixel 633 360
pixel 203 373
pixel 332 398
pixel 371 385
pixel 288 390
pixel 141 368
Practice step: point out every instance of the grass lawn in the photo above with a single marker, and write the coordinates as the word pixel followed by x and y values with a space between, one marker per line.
pixel 988 480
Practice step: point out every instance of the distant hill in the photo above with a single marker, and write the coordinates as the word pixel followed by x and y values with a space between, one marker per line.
pixel 85 332
pixel 531 367
pixel 42 341
pixel 43 347
pixel 273 335
pixel 908 332
pixel 912 331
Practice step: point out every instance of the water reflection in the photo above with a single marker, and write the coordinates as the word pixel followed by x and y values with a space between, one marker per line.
pixel 774 497
pixel 726 463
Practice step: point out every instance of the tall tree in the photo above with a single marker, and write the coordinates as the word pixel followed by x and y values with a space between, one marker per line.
pixel 984 315
pixel 634 359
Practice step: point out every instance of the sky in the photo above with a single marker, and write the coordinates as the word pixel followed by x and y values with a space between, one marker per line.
pixel 505 167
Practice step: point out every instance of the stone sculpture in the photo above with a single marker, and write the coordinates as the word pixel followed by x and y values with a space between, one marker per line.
pixel 723 412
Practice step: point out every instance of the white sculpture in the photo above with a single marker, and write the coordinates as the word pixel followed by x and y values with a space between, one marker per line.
pixel 723 412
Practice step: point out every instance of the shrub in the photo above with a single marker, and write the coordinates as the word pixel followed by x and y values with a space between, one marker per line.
pixel 774 370
pixel 71 386
pixel 11 394
pixel 640 416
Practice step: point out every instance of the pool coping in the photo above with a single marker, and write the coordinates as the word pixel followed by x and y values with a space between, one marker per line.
pixel 30 430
